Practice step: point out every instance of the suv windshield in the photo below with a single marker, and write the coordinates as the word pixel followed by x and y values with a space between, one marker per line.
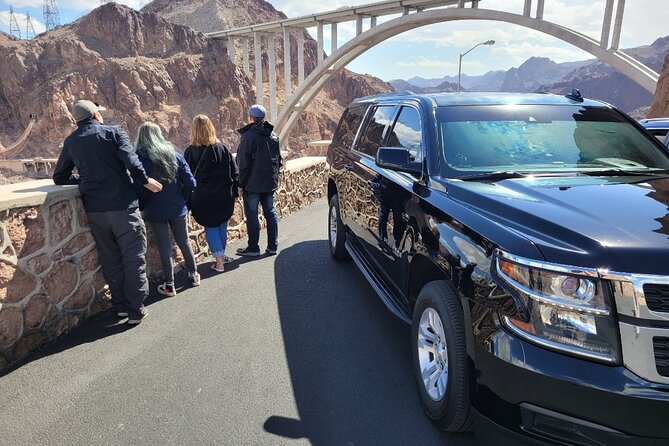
pixel 543 139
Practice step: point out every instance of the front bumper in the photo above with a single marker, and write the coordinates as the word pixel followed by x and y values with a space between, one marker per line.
pixel 550 398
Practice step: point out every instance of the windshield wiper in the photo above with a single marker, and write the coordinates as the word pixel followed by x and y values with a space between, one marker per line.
pixel 499 175
pixel 624 172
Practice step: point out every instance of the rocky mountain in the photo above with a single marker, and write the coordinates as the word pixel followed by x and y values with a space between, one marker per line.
pixel 159 71
pixel 595 79
pixel 323 114
pixel 491 81
pixel 533 73
pixel 660 106
pixel 598 80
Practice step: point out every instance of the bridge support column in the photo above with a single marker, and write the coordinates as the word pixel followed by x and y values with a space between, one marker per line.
pixel 358 25
pixel 615 42
pixel 300 57
pixel 540 10
pixel 287 83
pixel 271 65
pixel 333 37
pixel 606 26
pixel 258 66
pixel 372 21
pixel 461 3
pixel 232 51
pixel 245 56
pixel 406 10
pixel 527 10
pixel 319 42
pixel 475 4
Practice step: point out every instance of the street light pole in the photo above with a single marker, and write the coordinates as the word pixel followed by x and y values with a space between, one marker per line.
pixel 487 42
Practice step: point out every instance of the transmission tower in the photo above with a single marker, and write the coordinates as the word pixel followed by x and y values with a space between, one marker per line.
pixel 14 29
pixel 30 29
pixel 51 17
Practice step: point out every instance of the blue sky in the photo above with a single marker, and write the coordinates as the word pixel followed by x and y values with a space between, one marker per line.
pixel 433 51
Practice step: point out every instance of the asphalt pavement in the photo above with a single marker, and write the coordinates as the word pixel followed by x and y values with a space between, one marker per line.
pixel 291 349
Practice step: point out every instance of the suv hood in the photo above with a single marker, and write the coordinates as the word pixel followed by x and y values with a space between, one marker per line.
pixel 615 223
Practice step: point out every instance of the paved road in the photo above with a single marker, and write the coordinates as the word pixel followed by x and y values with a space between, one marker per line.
pixel 293 349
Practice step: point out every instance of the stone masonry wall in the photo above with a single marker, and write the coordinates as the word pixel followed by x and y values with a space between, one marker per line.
pixel 50 279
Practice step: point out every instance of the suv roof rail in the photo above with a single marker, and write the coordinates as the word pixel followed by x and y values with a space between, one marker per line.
pixel 385 95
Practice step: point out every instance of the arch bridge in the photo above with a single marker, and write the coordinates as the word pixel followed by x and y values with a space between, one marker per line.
pixel 414 14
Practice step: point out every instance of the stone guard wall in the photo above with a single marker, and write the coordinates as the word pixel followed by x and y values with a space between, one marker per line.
pixel 50 279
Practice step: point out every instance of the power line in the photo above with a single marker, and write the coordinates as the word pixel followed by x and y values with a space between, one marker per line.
pixel 14 29
pixel 30 29
pixel 51 16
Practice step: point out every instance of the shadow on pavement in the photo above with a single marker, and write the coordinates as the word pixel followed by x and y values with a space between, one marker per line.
pixel 96 327
pixel 349 358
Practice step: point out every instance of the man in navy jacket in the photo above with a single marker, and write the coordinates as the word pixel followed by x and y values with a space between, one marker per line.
pixel 107 166
pixel 259 161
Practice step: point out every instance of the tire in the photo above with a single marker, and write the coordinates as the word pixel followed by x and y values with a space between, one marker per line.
pixel 336 231
pixel 445 395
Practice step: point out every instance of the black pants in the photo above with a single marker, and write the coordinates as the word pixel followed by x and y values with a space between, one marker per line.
pixel 120 237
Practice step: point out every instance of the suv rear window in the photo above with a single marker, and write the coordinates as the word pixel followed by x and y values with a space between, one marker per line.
pixel 543 138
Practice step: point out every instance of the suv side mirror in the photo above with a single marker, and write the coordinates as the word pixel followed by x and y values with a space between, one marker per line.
pixel 397 158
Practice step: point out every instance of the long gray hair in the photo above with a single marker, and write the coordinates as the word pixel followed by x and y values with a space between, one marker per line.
pixel 151 144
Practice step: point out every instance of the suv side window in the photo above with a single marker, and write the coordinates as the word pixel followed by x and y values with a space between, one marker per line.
pixel 407 133
pixel 348 126
pixel 375 131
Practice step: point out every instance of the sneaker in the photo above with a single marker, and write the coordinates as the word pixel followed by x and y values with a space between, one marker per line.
pixel 248 252
pixel 167 289
pixel 194 279
pixel 270 251
pixel 138 320
pixel 122 314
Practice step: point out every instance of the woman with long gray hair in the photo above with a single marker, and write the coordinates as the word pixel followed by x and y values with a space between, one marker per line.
pixel 167 210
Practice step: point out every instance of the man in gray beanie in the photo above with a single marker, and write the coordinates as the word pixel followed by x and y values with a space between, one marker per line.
pixel 103 157
pixel 259 161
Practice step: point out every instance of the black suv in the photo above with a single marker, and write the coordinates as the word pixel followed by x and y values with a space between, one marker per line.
pixel 525 238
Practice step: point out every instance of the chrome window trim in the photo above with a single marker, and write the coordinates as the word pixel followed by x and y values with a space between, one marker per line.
pixel 638 351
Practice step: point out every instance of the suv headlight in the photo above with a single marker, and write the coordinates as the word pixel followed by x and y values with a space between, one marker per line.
pixel 565 309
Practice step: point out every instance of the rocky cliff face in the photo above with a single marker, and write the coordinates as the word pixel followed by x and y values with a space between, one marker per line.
pixel 660 106
pixel 158 71
pixel 322 115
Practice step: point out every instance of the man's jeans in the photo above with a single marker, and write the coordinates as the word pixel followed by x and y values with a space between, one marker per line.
pixel 120 237
pixel 266 200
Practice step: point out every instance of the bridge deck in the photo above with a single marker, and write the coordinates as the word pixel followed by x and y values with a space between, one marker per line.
pixel 338 15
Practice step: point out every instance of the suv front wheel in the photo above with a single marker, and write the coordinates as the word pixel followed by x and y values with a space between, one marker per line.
pixel 336 232
pixel 440 356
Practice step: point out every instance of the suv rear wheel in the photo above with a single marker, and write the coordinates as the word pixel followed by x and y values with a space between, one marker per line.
pixel 440 356
pixel 336 232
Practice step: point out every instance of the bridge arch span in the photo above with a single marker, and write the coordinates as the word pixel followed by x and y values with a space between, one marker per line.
pixel 334 63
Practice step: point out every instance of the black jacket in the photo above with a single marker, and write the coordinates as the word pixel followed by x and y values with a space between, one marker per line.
pixel 103 157
pixel 213 200
pixel 258 157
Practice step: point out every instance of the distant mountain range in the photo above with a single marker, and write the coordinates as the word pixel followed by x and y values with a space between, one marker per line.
pixel 595 79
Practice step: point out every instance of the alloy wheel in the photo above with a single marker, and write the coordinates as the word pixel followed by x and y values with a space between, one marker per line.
pixel 433 354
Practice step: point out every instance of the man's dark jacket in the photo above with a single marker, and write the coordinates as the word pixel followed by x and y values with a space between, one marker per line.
pixel 103 157
pixel 258 158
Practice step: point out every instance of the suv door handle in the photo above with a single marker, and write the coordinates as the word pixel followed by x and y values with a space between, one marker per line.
pixel 349 167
